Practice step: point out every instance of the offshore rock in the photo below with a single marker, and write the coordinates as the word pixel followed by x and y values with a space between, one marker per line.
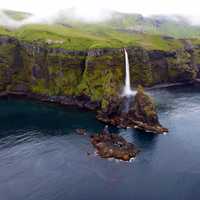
pixel 113 146
pixel 141 115
pixel 80 131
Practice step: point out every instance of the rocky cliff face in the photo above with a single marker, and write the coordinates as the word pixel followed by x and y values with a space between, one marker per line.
pixel 95 74
pixel 141 113
pixel 157 67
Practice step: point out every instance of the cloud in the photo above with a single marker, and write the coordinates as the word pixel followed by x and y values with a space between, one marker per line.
pixel 7 21
pixel 145 7
pixel 96 10
pixel 51 18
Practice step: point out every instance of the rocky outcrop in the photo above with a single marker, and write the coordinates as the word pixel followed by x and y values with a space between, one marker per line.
pixel 78 101
pixel 80 131
pixel 143 114
pixel 140 115
pixel 113 146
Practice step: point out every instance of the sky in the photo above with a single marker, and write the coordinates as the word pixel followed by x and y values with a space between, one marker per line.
pixel 95 10
pixel 93 7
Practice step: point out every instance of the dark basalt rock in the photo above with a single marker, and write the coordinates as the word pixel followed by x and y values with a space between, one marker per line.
pixel 113 146
pixel 141 115
pixel 143 109
pixel 80 131
pixel 79 101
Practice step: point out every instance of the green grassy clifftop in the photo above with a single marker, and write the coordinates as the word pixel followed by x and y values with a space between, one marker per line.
pixel 117 31
pixel 59 36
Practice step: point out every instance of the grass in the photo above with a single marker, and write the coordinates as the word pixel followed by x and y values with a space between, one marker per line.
pixel 4 31
pixel 89 37
pixel 121 30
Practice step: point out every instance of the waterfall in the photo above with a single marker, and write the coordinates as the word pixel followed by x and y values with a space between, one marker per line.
pixel 127 87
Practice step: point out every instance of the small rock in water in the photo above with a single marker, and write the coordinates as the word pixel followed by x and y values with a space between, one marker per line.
pixel 80 131
pixel 113 146
pixel 105 130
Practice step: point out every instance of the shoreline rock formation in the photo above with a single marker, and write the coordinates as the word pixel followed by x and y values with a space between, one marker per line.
pixel 80 131
pixel 140 115
pixel 113 146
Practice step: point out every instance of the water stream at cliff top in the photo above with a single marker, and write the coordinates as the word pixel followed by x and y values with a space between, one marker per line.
pixel 127 88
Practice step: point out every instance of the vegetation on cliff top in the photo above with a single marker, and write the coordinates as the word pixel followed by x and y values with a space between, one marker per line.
pixel 81 39
pixel 121 30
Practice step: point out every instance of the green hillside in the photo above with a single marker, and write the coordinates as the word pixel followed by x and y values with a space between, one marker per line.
pixel 121 30
pixel 80 39
pixel 175 26
pixel 16 15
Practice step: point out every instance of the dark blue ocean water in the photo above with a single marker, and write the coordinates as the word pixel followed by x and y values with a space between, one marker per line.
pixel 42 159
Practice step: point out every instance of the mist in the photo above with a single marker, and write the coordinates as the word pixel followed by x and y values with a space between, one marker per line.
pixel 78 14
pixel 7 21
pixel 96 11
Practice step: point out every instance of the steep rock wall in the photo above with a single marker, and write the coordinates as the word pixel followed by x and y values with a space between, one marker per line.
pixel 97 74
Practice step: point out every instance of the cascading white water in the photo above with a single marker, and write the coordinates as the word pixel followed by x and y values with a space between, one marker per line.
pixel 127 88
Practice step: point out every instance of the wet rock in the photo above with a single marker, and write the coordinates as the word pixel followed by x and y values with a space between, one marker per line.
pixel 37 72
pixel 88 153
pixel 80 131
pixel 84 101
pixel 141 115
pixel 20 88
pixel 105 130
pixel 143 108
pixel 113 146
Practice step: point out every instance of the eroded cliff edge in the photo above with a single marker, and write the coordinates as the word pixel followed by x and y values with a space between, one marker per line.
pixel 88 78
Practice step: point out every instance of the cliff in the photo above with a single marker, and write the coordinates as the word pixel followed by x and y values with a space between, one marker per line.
pixel 94 76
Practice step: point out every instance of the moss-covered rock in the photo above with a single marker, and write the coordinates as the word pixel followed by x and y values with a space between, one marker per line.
pixel 98 74
pixel 143 108
pixel 140 67
pixel 141 114
pixel 103 76
pixel 156 67
pixel 182 67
